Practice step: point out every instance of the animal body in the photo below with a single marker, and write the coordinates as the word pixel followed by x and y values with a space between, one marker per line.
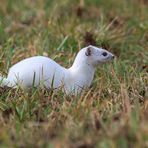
pixel 40 70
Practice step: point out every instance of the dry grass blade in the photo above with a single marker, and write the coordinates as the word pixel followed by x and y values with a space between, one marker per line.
pixel 125 100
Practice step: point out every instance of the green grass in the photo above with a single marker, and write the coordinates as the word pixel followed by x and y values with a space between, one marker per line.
pixel 113 112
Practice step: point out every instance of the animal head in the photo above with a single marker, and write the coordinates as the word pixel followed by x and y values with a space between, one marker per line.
pixel 94 56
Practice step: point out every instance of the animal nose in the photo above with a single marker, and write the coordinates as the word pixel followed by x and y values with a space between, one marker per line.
pixel 113 56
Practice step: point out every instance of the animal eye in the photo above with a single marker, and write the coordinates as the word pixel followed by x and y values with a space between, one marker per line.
pixel 104 54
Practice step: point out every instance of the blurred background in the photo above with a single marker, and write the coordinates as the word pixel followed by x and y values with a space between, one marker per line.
pixel 45 24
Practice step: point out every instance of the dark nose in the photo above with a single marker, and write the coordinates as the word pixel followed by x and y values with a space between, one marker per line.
pixel 113 56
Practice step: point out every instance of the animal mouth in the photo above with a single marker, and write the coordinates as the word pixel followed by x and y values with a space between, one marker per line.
pixel 110 58
pixel 105 60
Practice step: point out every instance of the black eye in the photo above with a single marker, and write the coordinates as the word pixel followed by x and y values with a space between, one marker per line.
pixel 104 54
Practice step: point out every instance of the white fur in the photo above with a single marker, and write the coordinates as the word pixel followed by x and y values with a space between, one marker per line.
pixel 44 71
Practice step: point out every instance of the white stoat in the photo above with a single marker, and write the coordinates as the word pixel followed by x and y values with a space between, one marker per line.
pixel 39 70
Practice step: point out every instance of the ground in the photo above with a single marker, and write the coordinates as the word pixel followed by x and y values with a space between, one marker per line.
pixel 113 112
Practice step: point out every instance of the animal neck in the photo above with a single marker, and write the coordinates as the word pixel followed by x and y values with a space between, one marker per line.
pixel 82 73
pixel 82 66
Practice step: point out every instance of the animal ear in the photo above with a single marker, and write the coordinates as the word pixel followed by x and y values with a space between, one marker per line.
pixel 88 51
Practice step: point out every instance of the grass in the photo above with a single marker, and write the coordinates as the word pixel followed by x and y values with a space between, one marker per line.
pixel 113 113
